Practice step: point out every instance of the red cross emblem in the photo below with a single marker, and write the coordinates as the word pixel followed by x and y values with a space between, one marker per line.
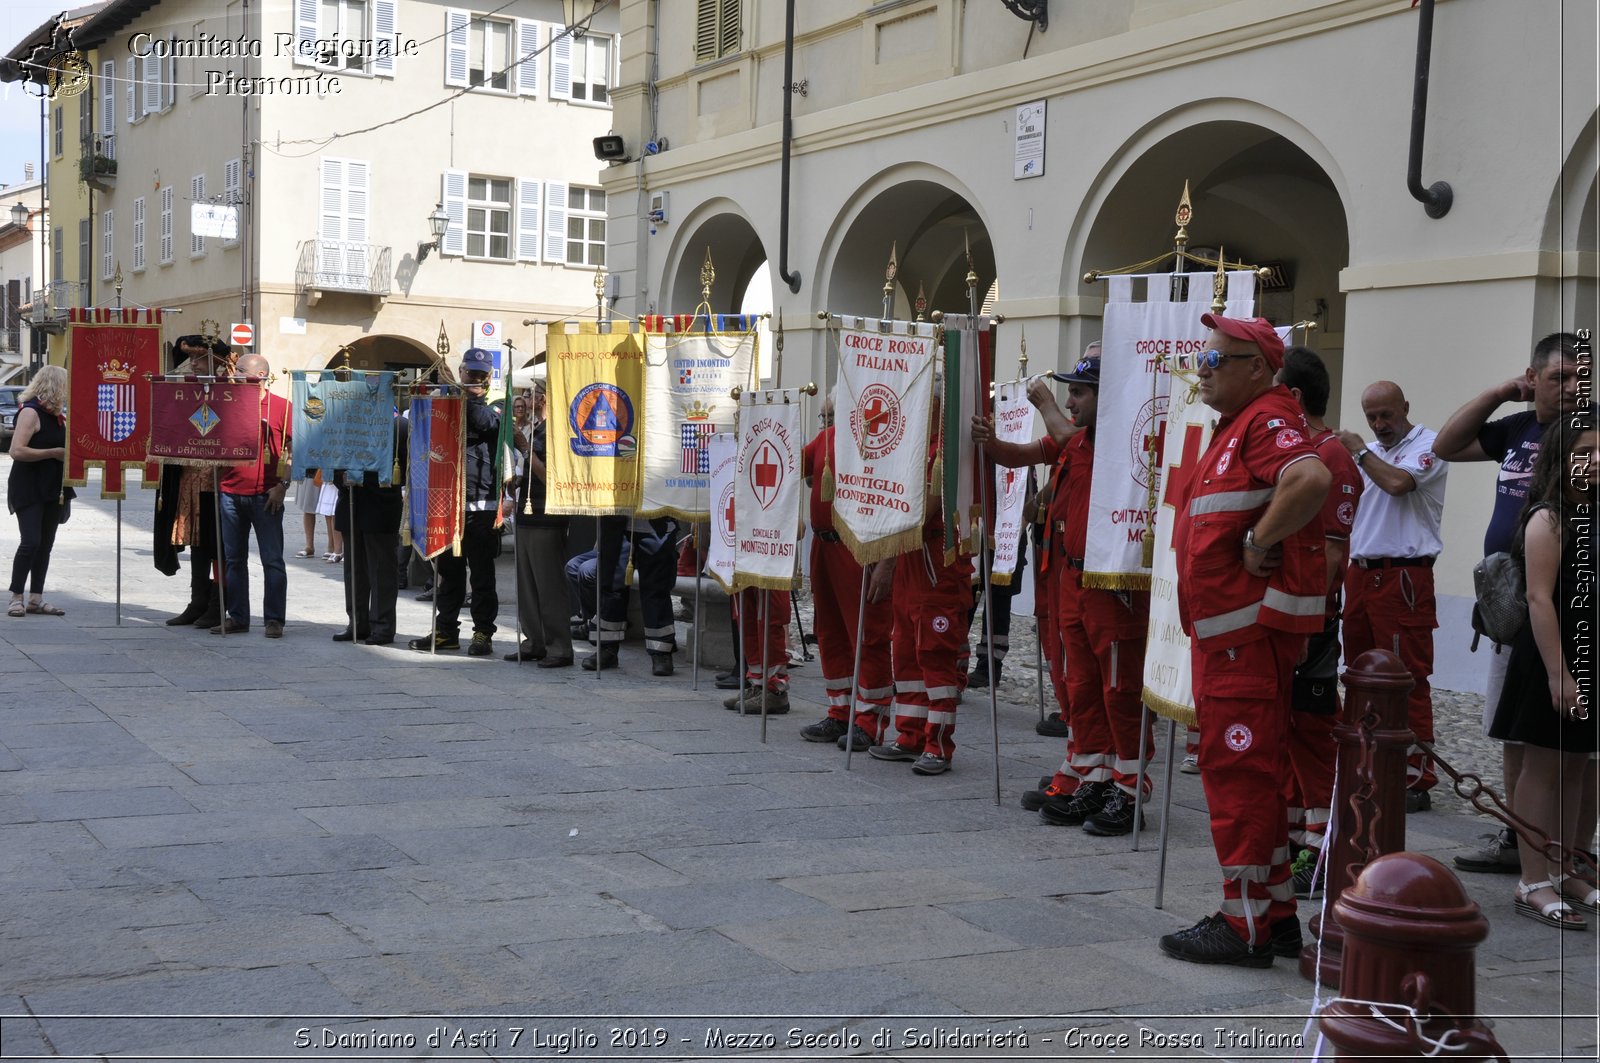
pixel 1178 477
pixel 877 415
pixel 766 473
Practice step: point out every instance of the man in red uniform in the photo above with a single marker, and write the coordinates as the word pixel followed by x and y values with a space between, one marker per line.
pixel 763 618
pixel 836 597
pixel 1252 585
pixel 1102 634
pixel 1315 706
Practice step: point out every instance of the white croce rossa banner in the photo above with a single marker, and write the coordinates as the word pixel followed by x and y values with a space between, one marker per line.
pixel 768 489
pixel 688 378
pixel 724 450
pixel 1167 674
pixel 1140 340
pixel 882 408
pixel 1013 423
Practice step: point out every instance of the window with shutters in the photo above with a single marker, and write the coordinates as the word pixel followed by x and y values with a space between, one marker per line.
pixel 233 193
pixel 716 29
pixel 489 218
pixel 343 27
pixel 197 195
pixel 108 245
pixel 351 36
pixel 492 54
pixel 591 69
pixel 85 239
pixel 152 83
pixel 108 98
pixel 489 54
pixel 138 235
pixel 586 227
pixel 166 226
pixel 58 255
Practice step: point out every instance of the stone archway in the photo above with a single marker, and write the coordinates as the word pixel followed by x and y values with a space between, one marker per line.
pixel 1570 299
pixel 399 353
pixel 737 254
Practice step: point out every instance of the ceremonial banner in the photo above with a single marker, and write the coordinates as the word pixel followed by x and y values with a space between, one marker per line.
pixel 1131 415
pixel 1013 423
pixel 691 366
pixel 724 450
pixel 883 403
pixel 343 425
pixel 204 424
pixel 596 396
pixel 111 356
pixel 968 369
pixel 768 490
pixel 436 484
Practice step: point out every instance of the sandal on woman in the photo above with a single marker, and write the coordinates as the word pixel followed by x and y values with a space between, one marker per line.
pixel 17 608
pixel 305 553
pixel 1555 914
pixel 333 559
pixel 1589 902
pixel 45 609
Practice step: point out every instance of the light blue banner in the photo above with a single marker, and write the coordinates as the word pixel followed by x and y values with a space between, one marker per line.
pixel 343 425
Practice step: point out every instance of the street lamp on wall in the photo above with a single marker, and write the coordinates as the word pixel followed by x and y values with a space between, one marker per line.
pixel 438 222
pixel 20 214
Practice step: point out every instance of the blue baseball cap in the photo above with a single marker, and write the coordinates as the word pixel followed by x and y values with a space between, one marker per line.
pixel 1087 371
pixel 477 360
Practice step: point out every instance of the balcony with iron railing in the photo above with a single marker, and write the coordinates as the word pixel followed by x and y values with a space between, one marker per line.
pixel 342 266
pixel 48 310
pixel 97 166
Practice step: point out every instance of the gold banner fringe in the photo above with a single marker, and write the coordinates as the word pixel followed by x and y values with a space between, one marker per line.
pixel 1000 579
pixel 1117 581
pixel 675 513
pixel 744 581
pixel 1169 709
pixel 880 549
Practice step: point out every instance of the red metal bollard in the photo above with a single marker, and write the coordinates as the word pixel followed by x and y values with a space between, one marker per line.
pixel 1410 936
pixel 1369 798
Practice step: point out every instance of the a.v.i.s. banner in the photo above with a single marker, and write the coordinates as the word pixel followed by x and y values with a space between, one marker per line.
pixel 968 370
pixel 882 405
pixel 436 481
pixel 767 490
pixel 724 449
pixel 597 409
pixel 343 425
pixel 111 357
pixel 1013 423
pixel 692 364
pixel 1131 415
pixel 204 423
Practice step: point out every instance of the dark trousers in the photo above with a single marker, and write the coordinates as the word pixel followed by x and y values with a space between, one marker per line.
pixel 480 543
pixel 999 619
pixel 203 555
pixel 371 582
pixel 37 526
pixel 541 589
pixel 655 566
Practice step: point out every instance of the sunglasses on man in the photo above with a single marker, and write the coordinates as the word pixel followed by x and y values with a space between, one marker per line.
pixel 1213 358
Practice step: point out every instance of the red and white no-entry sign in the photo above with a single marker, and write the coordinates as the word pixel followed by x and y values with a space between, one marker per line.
pixel 243 334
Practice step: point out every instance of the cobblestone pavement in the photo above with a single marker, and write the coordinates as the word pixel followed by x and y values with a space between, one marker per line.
pixel 368 847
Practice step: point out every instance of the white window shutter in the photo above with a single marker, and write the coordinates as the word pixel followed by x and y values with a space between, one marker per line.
pixel 138 234
pixel 561 66
pixel 197 193
pixel 357 185
pixel 528 57
pixel 555 221
pixel 108 250
pixel 454 241
pixel 455 47
pixel 150 78
pixel 169 85
pixel 108 96
pixel 527 220
pixel 330 209
pixel 383 32
pixel 230 182
pixel 305 32
pixel 130 82
pixel 166 225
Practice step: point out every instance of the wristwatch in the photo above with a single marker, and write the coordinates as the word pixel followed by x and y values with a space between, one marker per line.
pixel 1363 452
pixel 1250 542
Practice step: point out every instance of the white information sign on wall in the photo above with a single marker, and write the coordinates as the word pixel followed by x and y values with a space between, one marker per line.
pixel 213 219
pixel 1029 158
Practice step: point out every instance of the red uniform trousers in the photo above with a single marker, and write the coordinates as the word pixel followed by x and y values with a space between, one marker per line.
pixel 930 601
pixel 1044 612
pixel 747 606
pixel 836 597
pixel 1242 699
pixel 1393 609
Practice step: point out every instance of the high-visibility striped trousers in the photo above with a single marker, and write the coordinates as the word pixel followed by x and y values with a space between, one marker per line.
pixel 931 601
pixel 836 597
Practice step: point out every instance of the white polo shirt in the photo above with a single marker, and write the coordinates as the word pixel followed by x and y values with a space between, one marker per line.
pixel 1402 525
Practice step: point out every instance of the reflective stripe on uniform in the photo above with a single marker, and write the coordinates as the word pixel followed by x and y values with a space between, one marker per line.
pixel 942 693
pixel 1294 604
pixel 1230 501
pixel 1237 620
pixel 941 718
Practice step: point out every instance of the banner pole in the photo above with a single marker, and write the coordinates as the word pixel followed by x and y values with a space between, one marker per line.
pixel 349 559
pixel 855 675
pixel 1166 815
pixel 766 598
pixel 119 560
pixel 988 633
pixel 516 567
pixel 222 562
pixel 433 612
pixel 599 626
pixel 1138 793
pixel 699 631
pixel 744 658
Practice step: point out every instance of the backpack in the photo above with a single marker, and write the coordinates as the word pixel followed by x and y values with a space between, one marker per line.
pixel 1501 611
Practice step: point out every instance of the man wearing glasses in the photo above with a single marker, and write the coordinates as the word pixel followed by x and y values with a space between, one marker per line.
pixel 1252 584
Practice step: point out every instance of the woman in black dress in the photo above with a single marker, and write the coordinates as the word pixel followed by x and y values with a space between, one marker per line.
pixel 1548 701
pixel 33 493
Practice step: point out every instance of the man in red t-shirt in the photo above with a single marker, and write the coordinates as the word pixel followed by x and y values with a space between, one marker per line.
pixel 252 498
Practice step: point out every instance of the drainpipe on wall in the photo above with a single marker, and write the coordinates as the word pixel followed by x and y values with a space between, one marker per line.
pixel 1437 197
pixel 791 278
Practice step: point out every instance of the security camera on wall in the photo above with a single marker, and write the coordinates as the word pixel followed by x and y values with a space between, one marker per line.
pixel 610 148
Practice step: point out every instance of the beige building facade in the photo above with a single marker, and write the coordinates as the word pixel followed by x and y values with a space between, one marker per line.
pixel 914 123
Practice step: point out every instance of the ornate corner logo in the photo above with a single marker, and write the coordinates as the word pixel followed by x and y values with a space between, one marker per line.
pixel 57 66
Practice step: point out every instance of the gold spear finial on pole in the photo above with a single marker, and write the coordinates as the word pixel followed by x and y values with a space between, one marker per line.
pixel 888 280
pixel 442 345
pixel 972 269
pixel 1181 218
pixel 1022 361
pixel 708 277
pixel 1219 283
pixel 922 303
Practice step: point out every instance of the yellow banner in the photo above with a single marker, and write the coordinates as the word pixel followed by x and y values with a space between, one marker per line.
pixel 596 404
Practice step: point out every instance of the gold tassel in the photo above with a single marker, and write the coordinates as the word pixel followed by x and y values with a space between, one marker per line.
pixel 1147 549
pixel 394 474
pixel 827 481
pixel 936 479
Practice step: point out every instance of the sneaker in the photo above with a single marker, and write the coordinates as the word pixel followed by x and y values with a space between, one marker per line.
pixel 1052 726
pixel 480 646
pixel 1071 810
pixel 660 664
pixel 860 740
pixel 1497 856
pixel 1418 801
pixel 1305 869
pixel 774 702
pixel 892 751
pixel 606 657
pixel 436 641
pixel 1032 799
pixel 1284 937
pixel 928 764
pixel 1212 940
pixel 826 729
pixel 1191 764
pixel 1115 816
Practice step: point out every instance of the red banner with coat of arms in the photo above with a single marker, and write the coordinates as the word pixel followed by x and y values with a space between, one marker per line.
pixel 112 355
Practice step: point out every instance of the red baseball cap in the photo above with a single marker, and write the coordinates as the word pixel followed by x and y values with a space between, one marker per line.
pixel 1257 330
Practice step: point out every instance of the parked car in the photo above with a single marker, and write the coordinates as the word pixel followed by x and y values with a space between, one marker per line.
pixel 10 403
